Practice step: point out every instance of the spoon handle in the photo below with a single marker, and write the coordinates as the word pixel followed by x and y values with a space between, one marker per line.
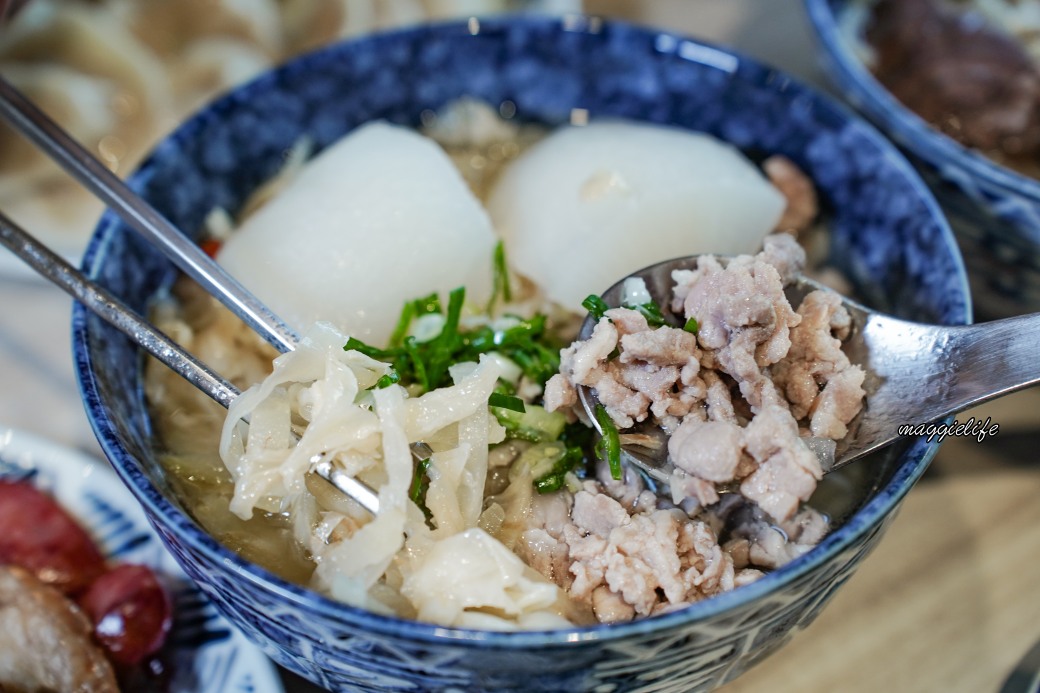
pixel 930 372
pixel 991 359
pixel 29 120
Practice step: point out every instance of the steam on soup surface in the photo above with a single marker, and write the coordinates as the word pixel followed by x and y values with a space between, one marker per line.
pixel 514 522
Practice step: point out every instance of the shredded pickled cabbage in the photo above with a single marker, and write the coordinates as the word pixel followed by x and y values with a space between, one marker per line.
pixel 320 398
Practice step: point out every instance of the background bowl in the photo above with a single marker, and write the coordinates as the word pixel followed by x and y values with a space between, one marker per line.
pixel 994 211
pixel 888 236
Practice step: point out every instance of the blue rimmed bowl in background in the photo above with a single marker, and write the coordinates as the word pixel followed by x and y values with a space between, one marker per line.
pixel 887 235
pixel 994 211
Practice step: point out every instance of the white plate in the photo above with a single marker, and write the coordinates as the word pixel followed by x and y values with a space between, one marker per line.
pixel 204 652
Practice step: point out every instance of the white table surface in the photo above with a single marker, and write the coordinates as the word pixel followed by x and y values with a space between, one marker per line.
pixel 893 641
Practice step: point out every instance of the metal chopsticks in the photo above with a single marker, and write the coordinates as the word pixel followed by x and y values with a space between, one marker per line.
pixel 29 120
pixel 52 266
pixel 101 302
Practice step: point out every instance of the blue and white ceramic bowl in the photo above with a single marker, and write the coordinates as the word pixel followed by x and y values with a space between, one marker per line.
pixel 888 236
pixel 203 652
pixel 994 211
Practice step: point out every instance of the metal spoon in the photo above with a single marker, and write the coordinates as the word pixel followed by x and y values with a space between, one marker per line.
pixel 916 373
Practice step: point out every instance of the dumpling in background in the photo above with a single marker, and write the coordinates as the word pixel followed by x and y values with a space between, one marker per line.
pixel 207 46
pixel 610 198
pixel 80 64
pixel 379 218
pixel 87 69
pixel 310 22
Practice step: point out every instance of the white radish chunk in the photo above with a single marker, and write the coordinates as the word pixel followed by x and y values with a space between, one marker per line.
pixel 379 218
pixel 590 204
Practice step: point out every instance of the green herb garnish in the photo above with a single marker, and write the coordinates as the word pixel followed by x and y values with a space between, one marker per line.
pixel 554 478
pixel 578 440
pixel 501 287
pixel 420 486
pixel 533 424
pixel 692 326
pixel 425 364
pixel 441 350
pixel 595 305
pixel 401 329
pixel 387 380
pixel 504 401
pixel 370 351
pixel 609 446
pixel 410 311
pixel 652 312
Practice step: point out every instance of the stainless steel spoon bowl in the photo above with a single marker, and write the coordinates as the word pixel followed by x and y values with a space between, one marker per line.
pixel 916 373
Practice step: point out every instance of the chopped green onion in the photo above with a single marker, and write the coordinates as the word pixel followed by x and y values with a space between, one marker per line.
pixel 390 378
pixel 595 305
pixel 692 325
pixel 420 485
pixel 441 350
pixel 410 311
pixel 578 439
pixel 554 478
pixel 427 304
pixel 526 342
pixel 652 312
pixel 549 483
pixel 498 399
pixel 370 351
pixel 578 435
pixel 501 289
pixel 403 323
pixel 411 349
pixel 609 445
pixel 534 423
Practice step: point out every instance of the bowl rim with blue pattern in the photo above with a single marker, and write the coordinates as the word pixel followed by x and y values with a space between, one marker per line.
pixel 730 72
pixel 910 130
